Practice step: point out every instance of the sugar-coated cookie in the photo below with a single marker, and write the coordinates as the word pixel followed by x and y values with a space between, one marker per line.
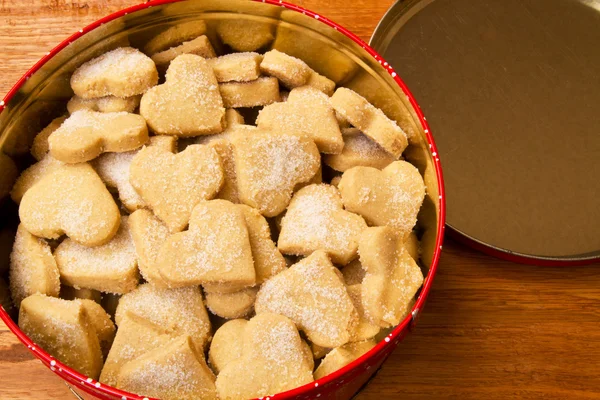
pixel 389 197
pixel 370 120
pixel 178 311
pixel 227 344
pixel 172 184
pixel 353 273
pixel 176 371
pixel 316 220
pixel 106 104
pixel 318 352
pixel 40 146
pixel 32 175
pixel 174 36
pixel 188 103
pixel 148 234
pixel 365 328
pixel 321 83
pixel 359 151
pixel 71 293
pixel 71 200
pixel 342 356
pixel 392 277
pixel 87 134
pixel 259 92
pixel 245 35
pixel 103 325
pixel 199 46
pixel 123 72
pixel 269 165
pixel 64 329
pixel 291 71
pixel 136 336
pixel 238 67
pixel 273 360
pixel 32 268
pixel 215 248
pixel 111 267
pixel 113 168
pixel 232 305
pixel 307 112
pixel 313 295
pixel 412 246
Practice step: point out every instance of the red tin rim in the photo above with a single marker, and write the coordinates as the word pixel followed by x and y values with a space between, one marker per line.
pixel 93 387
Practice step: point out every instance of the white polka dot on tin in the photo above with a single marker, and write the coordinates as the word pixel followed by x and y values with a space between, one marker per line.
pixel 385 63
pixel 426 130
pixel 81 31
pixel 387 339
pixel 316 384
pixel 123 398
pixel 394 74
pixel 32 348
pixel 97 384
pixel 317 16
pixel 434 154
pixel 318 394
pixel 53 363
pixel 89 380
pixel 52 369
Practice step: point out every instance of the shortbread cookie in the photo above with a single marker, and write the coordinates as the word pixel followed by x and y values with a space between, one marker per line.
pixel 342 122
pixel 104 327
pixel 316 179
pixel 176 371
pixel 32 268
pixel 370 120
pixel 318 352
pixel 353 273
pixel 188 103
pixel 238 67
pixel 311 294
pixel 32 175
pixel 291 71
pixel 306 113
pixel 10 172
pixel 316 220
pixel 268 261
pixel 273 360
pixel 175 35
pixel 245 35
pixel 392 277
pixel 87 134
pixel 136 336
pixel 389 197
pixel 232 305
pixel 71 200
pixel 71 293
pixel 412 246
pixel 321 83
pixel 259 92
pixel 342 356
pixel 199 46
pixel 268 166
pixel 227 344
pixel 106 104
pixel 172 184
pixel 359 151
pixel 215 248
pixel 111 267
pixel 123 72
pixel 113 168
pixel 63 328
pixel 365 328
pixel 178 311
pixel 148 234
pixel 40 146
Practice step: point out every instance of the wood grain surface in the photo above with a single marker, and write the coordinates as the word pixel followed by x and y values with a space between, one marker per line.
pixel 491 329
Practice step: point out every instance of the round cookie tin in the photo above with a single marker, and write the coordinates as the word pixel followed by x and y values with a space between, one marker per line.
pixel 42 92
pixel 511 89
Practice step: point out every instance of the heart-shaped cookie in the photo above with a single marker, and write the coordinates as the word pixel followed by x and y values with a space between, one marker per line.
pixel 315 220
pixel 32 175
pixel 87 134
pixel 307 112
pixel 172 184
pixel 188 103
pixel 342 356
pixel 392 277
pixel 268 166
pixel 71 200
pixel 389 197
pixel 273 360
pixel 215 248
pixel 359 151
pixel 227 344
pixel 40 146
pixel 312 294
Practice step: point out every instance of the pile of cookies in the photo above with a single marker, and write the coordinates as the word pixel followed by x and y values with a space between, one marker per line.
pixel 170 249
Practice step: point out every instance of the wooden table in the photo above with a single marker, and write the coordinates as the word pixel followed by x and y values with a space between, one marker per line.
pixel 491 329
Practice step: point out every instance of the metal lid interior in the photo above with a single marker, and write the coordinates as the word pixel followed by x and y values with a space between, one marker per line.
pixel 511 89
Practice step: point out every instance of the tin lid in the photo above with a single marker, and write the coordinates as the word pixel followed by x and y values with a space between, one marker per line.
pixel 511 89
